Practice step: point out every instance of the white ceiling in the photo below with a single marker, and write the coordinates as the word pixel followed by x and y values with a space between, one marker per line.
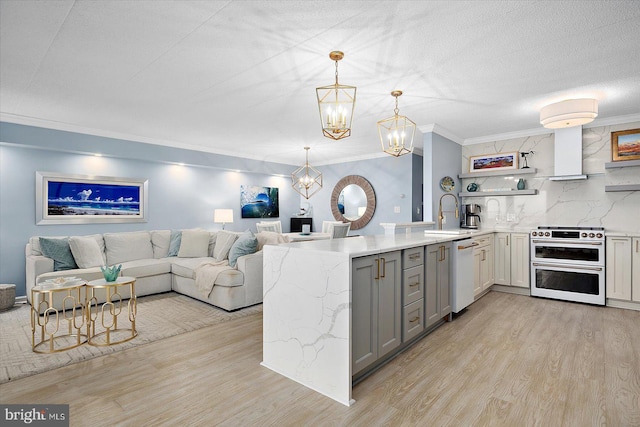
pixel 239 77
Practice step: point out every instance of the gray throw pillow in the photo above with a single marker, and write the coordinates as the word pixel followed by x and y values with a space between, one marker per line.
pixel 174 243
pixel 246 244
pixel 59 251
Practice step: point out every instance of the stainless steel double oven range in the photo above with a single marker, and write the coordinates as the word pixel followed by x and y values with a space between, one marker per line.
pixel 568 263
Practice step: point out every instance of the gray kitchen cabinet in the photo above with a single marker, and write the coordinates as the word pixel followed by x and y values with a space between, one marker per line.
pixel 437 272
pixel 376 307
pixel 412 293
pixel 511 266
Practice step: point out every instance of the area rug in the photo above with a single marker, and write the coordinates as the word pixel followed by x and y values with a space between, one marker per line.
pixel 159 316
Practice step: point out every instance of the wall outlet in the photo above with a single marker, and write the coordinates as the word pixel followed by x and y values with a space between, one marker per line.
pixel 396 209
pixel 418 211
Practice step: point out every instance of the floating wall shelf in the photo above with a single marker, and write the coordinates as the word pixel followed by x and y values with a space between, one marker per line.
pixel 624 164
pixel 622 187
pixel 498 193
pixel 527 171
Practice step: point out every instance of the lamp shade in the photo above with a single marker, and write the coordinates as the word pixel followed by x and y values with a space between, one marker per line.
pixel 569 113
pixel 223 216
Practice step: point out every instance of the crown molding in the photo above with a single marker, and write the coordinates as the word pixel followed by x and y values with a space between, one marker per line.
pixel 436 128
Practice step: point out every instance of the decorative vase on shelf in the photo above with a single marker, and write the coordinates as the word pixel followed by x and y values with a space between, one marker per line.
pixel 521 184
pixel 111 273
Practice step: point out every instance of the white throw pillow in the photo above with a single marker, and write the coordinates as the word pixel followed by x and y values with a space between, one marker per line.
pixel 224 241
pixel 160 240
pixel 86 251
pixel 194 244
pixel 122 247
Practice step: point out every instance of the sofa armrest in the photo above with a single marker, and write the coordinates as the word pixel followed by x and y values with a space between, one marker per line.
pixel 35 266
pixel 251 267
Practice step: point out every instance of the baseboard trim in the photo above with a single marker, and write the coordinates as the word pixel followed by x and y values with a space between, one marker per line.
pixel 511 290
pixel 622 304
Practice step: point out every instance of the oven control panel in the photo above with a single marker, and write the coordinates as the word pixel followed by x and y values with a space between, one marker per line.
pixel 580 234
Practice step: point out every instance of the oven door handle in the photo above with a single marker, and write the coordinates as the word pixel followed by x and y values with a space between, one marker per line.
pixel 537 264
pixel 568 243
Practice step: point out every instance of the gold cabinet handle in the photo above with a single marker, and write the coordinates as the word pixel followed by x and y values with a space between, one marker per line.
pixel 414 284
pixel 414 257
pixel 415 319
pixel 384 267
pixel 484 255
pixel 507 240
pixel 377 269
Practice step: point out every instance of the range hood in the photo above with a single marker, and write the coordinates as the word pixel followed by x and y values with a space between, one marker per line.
pixel 567 152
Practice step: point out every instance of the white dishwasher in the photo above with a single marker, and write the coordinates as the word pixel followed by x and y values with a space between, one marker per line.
pixel 462 278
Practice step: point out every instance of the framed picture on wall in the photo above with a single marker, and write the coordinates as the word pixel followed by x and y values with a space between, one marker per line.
pixel 625 145
pixel 493 162
pixel 259 202
pixel 84 199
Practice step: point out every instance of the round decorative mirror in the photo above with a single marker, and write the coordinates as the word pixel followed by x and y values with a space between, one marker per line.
pixel 353 200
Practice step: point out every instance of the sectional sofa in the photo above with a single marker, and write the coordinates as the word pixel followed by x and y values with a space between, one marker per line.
pixel 160 260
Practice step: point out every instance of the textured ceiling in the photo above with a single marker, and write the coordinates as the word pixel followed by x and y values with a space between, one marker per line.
pixel 239 77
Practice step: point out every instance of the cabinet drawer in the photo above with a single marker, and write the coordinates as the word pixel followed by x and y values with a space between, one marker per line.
pixel 412 257
pixel 412 284
pixel 412 320
pixel 484 240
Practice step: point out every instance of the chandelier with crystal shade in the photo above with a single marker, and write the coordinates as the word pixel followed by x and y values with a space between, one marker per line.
pixel 396 132
pixel 336 103
pixel 306 180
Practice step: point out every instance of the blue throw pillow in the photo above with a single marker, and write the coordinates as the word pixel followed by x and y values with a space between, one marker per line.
pixel 174 243
pixel 59 251
pixel 246 244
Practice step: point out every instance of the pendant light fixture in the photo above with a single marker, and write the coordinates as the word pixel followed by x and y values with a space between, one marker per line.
pixel 306 180
pixel 396 132
pixel 336 103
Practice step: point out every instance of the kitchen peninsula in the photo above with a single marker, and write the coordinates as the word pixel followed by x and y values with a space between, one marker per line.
pixel 309 313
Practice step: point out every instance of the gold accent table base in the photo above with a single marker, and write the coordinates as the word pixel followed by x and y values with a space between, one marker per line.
pixel 58 330
pixel 102 319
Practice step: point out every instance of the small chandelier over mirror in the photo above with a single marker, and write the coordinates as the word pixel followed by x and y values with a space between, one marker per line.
pixel 396 132
pixel 306 180
pixel 336 103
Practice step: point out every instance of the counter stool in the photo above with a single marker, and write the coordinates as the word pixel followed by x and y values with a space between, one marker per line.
pixel 7 296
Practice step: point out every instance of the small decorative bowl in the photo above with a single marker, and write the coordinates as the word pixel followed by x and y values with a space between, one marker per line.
pixel 111 273
pixel 472 187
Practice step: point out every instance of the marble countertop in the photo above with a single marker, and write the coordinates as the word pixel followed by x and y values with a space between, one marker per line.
pixel 621 234
pixel 368 245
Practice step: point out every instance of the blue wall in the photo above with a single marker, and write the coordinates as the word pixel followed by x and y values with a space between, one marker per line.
pixel 178 196
pixel 441 158
pixel 391 179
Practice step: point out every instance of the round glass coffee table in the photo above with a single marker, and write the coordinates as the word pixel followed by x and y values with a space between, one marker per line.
pixel 102 318
pixel 58 329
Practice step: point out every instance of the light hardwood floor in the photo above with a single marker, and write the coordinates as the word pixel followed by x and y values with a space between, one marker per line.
pixel 508 361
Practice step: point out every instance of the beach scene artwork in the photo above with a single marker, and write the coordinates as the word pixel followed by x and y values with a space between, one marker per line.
pixel 626 145
pixel 88 198
pixel 259 202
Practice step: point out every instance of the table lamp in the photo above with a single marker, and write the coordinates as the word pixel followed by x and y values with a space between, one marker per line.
pixel 223 216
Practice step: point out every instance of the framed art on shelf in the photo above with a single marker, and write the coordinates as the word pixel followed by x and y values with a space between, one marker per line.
pixel 493 162
pixel 85 199
pixel 259 202
pixel 625 145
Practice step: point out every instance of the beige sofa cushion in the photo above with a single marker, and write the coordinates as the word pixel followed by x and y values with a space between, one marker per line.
pixel 146 267
pixel 86 251
pixel 194 244
pixel 160 240
pixel 123 247
pixel 224 241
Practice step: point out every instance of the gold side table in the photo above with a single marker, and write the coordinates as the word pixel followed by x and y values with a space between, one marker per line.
pixel 49 334
pixel 108 332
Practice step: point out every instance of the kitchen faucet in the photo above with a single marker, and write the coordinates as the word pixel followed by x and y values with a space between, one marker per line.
pixel 441 215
